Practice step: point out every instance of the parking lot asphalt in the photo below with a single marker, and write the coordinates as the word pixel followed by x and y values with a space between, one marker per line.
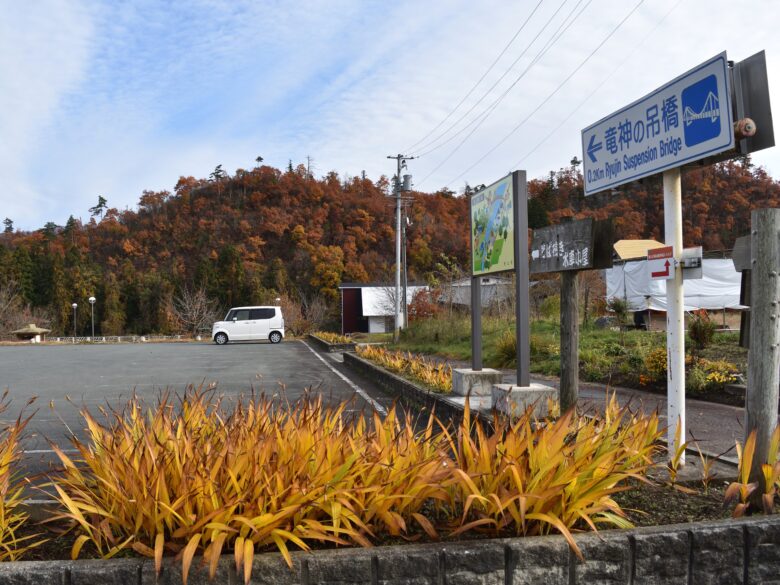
pixel 65 378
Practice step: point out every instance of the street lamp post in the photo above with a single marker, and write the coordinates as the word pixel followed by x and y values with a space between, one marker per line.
pixel 92 303
pixel 74 305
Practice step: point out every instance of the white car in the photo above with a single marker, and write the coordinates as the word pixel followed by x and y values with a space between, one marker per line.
pixel 249 324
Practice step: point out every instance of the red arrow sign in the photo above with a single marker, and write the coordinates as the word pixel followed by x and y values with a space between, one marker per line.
pixel 663 273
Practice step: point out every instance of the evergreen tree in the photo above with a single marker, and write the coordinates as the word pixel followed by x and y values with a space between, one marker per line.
pixel 99 208
pixel 230 275
pixel 60 298
pixel 23 273
pixel 113 321
pixel 8 224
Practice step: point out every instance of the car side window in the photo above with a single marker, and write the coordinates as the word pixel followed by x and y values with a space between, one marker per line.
pixel 230 315
pixel 242 315
pixel 262 313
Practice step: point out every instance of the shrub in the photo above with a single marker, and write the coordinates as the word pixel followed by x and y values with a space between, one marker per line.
pixel 620 308
pixel 614 349
pixel 423 305
pixel 506 349
pixel 696 380
pixel 656 364
pixel 595 365
pixel 196 477
pixel 550 308
pixel 719 373
pixel 635 360
pixel 701 329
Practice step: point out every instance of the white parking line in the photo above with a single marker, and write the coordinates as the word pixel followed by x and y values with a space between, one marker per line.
pixel 39 451
pixel 363 394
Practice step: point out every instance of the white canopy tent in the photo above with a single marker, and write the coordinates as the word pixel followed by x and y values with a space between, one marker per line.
pixel 718 289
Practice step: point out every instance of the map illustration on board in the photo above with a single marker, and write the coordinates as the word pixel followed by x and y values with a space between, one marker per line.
pixel 492 228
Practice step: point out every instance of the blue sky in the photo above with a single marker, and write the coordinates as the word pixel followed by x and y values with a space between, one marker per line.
pixel 111 98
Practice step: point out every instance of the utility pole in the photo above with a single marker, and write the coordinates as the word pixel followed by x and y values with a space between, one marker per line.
pixel 404 294
pixel 400 163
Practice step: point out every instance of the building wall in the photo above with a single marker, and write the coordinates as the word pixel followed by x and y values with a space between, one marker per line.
pixel 352 320
pixel 378 325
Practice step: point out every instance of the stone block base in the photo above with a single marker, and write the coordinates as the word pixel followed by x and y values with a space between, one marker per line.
pixel 466 382
pixel 514 400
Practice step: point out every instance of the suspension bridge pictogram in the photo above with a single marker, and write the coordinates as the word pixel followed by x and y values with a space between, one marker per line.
pixel 709 111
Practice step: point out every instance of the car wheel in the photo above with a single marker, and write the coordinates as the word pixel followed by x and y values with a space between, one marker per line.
pixel 220 338
pixel 275 337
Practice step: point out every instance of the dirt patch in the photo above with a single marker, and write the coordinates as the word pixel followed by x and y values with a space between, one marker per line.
pixel 645 505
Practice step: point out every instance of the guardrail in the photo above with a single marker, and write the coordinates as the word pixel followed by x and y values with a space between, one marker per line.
pixel 121 338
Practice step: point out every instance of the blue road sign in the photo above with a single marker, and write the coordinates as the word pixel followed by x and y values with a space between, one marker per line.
pixel 687 119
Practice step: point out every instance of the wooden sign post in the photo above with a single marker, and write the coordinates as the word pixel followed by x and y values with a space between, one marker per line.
pixel 568 248
pixel 758 258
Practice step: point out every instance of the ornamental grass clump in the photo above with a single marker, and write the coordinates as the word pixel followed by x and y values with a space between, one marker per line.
pixel 436 376
pixel 333 338
pixel 13 545
pixel 528 479
pixel 200 476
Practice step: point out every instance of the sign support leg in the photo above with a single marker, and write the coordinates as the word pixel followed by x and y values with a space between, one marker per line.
pixel 675 315
pixel 476 323
pixel 522 299
pixel 570 339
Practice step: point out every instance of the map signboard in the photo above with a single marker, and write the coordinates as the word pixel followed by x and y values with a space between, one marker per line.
pixel 493 229
pixel 687 119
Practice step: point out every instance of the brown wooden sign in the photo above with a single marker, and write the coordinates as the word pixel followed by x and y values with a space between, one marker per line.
pixel 741 254
pixel 584 244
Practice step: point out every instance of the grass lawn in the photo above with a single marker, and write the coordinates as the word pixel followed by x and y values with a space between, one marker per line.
pixel 629 358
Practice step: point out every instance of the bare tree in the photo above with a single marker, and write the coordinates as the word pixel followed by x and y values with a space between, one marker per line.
pixel 292 311
pixel 14 314
pixel 447 275
pixel 316 310
pixel 194 310
pixel 10 302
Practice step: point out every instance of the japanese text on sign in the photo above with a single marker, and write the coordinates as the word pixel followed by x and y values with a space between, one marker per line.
pixel 569 257
pixel 566 246
pixel 685 120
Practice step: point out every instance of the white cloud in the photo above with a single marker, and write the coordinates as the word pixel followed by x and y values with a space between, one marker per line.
pixel 114 98
pixel 41 59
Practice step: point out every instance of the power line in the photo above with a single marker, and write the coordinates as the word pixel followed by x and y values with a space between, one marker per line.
pixel 473 87
pixel 428 147
pixel 600 85
pixel 555 91
pixel 482 116
pixel 562 28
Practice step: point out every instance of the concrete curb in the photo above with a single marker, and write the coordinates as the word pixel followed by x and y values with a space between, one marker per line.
pixel 330 347
pixel 408 392
pixel 745 551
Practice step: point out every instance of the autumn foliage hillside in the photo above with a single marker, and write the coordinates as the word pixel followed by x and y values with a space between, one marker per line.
pixel 242 238
pixel 246 238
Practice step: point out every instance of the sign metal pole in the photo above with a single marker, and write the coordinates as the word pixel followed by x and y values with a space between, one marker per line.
pixel 476 323
pixel 522 312
pixel 476 307
pixel 675 315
